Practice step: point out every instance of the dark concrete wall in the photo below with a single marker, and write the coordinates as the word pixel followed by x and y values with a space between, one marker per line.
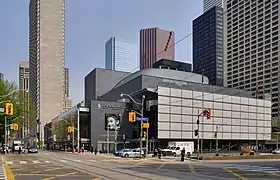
pixel 100 81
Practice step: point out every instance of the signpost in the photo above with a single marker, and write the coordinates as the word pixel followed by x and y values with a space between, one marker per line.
pixel 142 119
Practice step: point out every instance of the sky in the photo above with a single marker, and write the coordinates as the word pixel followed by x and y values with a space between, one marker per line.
pixel 88 25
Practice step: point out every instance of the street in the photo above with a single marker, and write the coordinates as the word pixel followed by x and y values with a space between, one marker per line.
pixel 62 166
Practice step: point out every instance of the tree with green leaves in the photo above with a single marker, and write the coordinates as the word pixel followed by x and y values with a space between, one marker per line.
pixel 9 92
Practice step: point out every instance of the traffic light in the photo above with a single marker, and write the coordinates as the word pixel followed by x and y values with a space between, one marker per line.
pixel 131 117
pixel 196 132
pixel 9 109
pixel 144 134
pixel 15 126
pixel 208 113
pixel 70 129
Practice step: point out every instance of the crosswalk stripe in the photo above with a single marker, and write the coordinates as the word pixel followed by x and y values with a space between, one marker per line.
pixel 92 160
pixel 63 161
pixel 47 161
pixel 77 160
pixel 9 162
pixel 22 162
pixel 36 162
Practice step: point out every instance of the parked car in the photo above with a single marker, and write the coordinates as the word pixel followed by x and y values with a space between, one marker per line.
pixel 33 149
pixel 133 153
pixel 120 152
pixel 276 151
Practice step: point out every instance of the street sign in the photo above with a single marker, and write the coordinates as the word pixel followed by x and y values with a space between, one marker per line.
pixel 2 110
pixel 142 119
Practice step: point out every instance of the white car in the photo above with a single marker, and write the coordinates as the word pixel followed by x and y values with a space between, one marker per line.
pixel 132 153
pixel 276 151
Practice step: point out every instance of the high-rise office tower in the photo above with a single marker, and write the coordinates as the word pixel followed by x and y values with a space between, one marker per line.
pixel 121 56
pixel 156 44
pixel 208 45
pixel 46 59
pixel 252 48
pixel 1 76
pixel 24 92
pixel 209 4
pixel 24 76
pixel 67 102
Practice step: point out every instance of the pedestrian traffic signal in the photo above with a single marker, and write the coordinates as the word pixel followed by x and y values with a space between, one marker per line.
pixel 15 126
pixel 208 113
pixel 131 117
pixel 9 109
pixel 70 129
pixel 196 132
pixel 144 134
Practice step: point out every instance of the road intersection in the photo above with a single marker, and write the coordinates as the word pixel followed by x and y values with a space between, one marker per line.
pixel 62 166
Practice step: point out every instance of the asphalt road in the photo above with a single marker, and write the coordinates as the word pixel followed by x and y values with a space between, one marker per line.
pixel 36 167
pixel 60 165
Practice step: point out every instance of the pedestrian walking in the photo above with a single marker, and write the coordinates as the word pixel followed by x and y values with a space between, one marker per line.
pixel 95 151
pixel 183 152
pixel 91 149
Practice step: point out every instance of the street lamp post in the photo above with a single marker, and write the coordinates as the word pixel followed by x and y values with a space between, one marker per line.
pixel 277 139
pixel 217 141
pixel 142 115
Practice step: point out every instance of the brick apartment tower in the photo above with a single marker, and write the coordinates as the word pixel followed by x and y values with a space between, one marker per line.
pixel 155 44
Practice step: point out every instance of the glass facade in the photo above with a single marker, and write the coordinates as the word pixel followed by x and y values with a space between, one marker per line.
pixel 121 56
pixel 208 45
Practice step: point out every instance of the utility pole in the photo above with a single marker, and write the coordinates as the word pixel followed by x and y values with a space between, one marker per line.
pixel 216 134
pixel 73 138
pixel 108 139
pixel 147 140
pixel 198 135
pixel 78 128
pixel 257 97
pixel 202 126
pixel 141 124
pixel 5 134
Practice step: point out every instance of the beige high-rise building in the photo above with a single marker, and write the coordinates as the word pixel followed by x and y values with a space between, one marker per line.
pixel 46 60
pixel 24 91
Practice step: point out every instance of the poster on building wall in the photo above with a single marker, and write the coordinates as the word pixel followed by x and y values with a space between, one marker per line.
pixel 112 121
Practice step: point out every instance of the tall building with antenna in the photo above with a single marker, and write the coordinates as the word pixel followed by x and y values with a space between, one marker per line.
pixel 156 44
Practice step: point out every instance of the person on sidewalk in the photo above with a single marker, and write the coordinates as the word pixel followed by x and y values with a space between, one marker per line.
pixel 95 151
pixel 183 152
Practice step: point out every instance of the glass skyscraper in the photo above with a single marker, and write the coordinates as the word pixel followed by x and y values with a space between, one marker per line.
pixel 121 56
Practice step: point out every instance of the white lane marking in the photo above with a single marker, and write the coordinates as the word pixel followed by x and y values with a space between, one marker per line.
pixel 63 161
pixel 9 162
pixel 47 161
pixel 77 160
pixel 36 162
pixel 22 162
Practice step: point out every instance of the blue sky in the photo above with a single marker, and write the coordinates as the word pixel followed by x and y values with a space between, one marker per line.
pixel 88 24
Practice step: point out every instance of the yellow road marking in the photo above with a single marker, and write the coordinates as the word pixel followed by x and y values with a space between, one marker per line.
pixel 9 173
pixel 235 174
pixel 191 168
pixel 96 179
pixel 31 174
